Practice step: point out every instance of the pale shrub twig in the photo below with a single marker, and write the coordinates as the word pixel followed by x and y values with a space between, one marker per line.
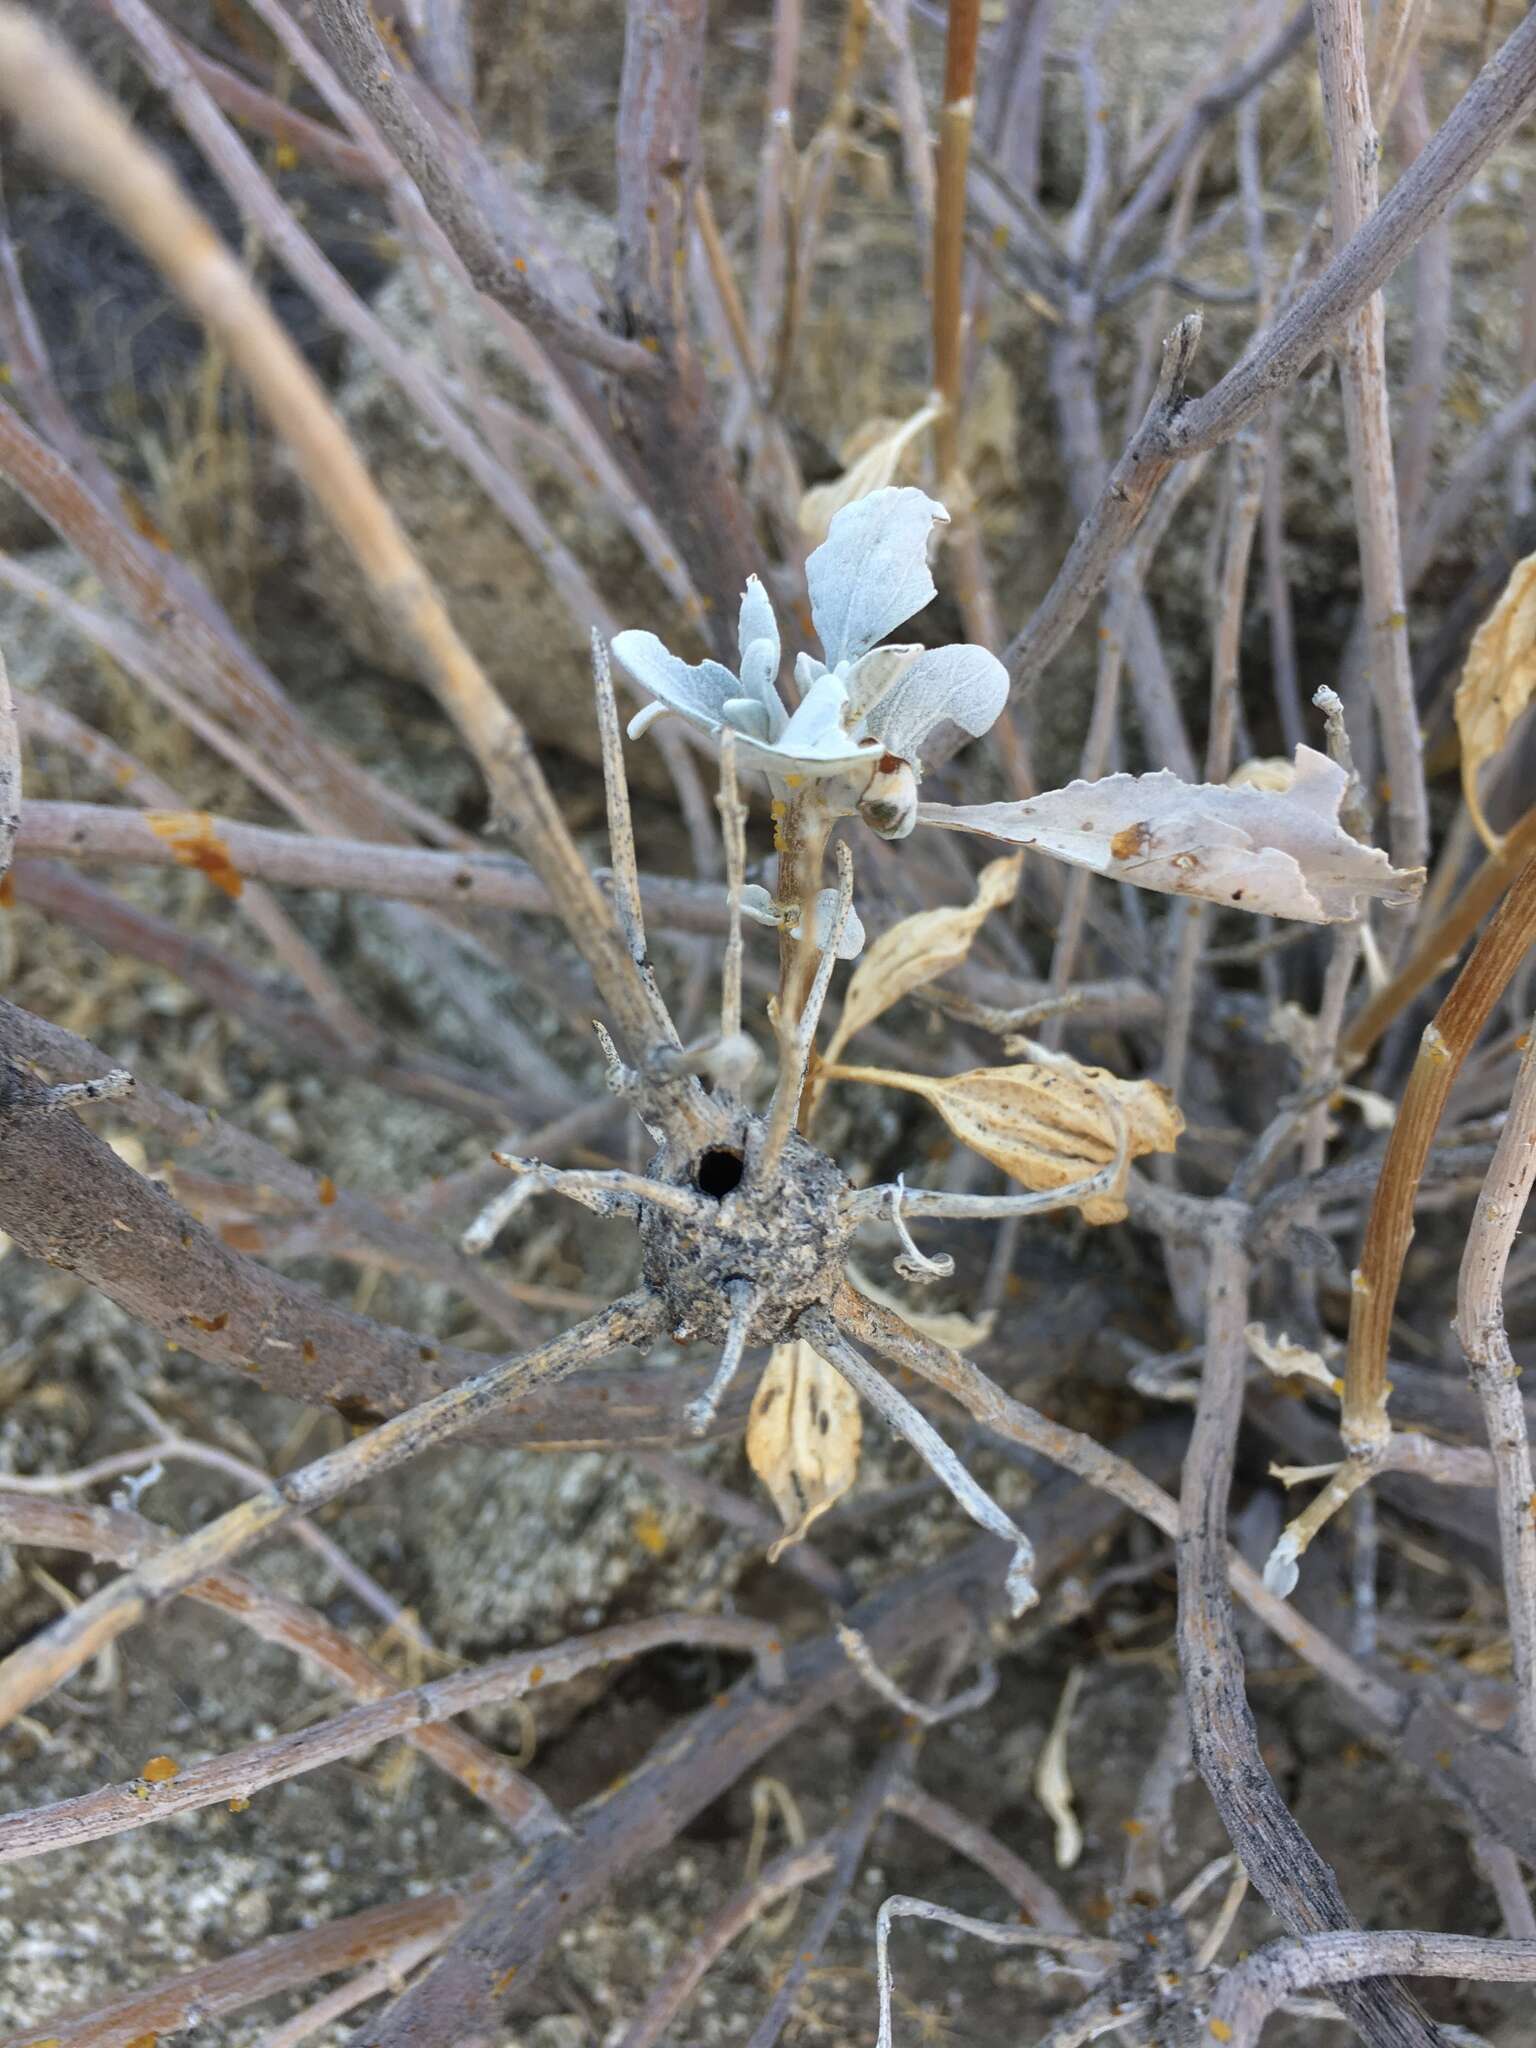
pixel 1495 1375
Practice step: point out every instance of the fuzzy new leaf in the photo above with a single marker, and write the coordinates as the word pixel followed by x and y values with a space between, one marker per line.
pixel 1278 853
pixel 803 1437
pixel 1497 684
pixel 919 950
pixel 1047 1125
pixel 871 574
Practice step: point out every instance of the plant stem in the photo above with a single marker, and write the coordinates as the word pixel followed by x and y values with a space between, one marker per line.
pixel 1495 1375
pixel 1444 1046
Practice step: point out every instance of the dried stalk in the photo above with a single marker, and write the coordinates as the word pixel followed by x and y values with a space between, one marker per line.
pixel 1436 950
pixel 118 1809
pixel 1277 1855
pixel 1259 1985
pixel 956 115
pixel 284 1963
pixel 851 1842
pixel 1354 154
pixel 1212 105
pixel 413 874
pixel 668 434
pixel 1487 1778
pixel 1445 1044
pixel 691 1767
pixel 314 784
pixel 471 204
pixel 41 718
pixel 1495 1375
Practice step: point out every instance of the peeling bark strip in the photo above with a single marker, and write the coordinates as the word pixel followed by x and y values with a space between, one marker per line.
pixel 1277 1855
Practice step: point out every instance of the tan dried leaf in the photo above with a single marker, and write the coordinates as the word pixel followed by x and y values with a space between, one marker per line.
pixel 1047 1124
pixel 1284 1357
pixel 920 949
pixel 1264 771
pixel 1497 683
pixel 1277 853
pixel 873 454
pixel 803 1437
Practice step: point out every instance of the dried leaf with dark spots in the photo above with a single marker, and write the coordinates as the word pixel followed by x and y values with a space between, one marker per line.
pixel 803 1437
pixel 1047 1124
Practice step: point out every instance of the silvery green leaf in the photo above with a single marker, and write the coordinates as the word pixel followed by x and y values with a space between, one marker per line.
pixel 870 574
pixel 757 904
pixel 819 716
pixel 757 621
pixel 874 676
pixel 852 942
pixel 784 765
pixel 758 638
pixel 814 742
pixel 759 675
pixel 964 686
pixel 808 670
pixel 699 694
pixel 748 715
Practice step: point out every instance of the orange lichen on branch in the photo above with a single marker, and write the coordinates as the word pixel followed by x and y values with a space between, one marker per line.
pixel 191 837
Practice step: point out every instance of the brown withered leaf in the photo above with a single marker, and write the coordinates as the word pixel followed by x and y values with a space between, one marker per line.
pixel 803 1437
pixel 1497 684
pixel 1049 1123
pixel 920 949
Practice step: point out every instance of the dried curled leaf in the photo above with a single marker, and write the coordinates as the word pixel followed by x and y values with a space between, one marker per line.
pixel 872 454
pixel 803 1437
pixel 1497 683
pixel 920 949
pixel 1047 1124
pixel 1053 1783
pixel 949 1327
pixel 1278 853
pixel 1284 1357
pixel 1264 771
